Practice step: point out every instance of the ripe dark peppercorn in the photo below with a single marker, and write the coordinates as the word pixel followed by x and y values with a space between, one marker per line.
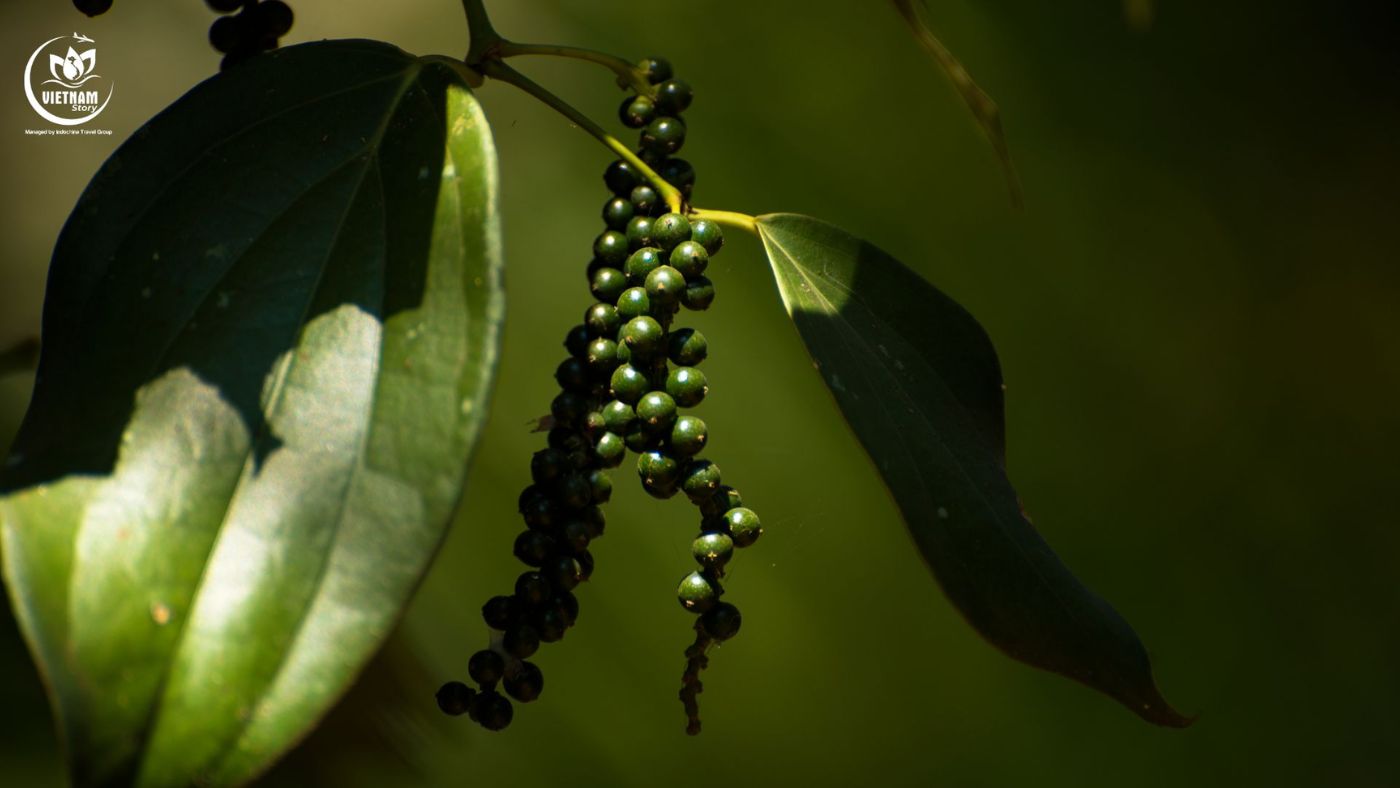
pixel 531 588
pixel 521 641
pixel 217 6
pixel 229 34
pixel 722 622
pixel 499 612
pixel 565 573
pixel 577 535
pixel 533 547
pixel 492 711
pixel 680 174
pixel 455 698
pixel 621 178
pixel 600 486
pixel 486 666
pixel 576 341
pixel 572 375
pixel 547 465
pixel 568 603
pixel 273 18
pixel 525 683
pixel 568 408
pixel 574 491
pixel 94 7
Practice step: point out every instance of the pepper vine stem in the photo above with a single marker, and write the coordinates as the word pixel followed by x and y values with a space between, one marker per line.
pixel 495 69
pixel 734 219
pixel 628 75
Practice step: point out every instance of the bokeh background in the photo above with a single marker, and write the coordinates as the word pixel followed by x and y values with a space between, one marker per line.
pixel 1196 311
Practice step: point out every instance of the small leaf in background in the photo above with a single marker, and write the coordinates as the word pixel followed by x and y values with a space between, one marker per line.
pixel 984 110
pixel 269 342
pixel 918 381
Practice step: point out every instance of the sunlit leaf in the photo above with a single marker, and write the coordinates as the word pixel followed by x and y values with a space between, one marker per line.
pixel 270 335
pixel 918 381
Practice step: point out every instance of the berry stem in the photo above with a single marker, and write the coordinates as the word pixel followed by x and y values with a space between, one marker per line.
pixel 627 74
pixel 495 69
pixel 741 221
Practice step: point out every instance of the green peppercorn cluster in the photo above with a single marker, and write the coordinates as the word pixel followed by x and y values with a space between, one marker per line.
pixel 256 27
pixel 628 376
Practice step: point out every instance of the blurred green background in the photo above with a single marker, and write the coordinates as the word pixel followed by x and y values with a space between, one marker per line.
pixel 1195 311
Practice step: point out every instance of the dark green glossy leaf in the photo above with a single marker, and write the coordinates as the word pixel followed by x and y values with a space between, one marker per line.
pixel 918 381
pixel 270 336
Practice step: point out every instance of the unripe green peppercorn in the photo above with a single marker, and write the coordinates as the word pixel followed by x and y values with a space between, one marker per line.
pixel 602 356
pixel 699 294
pixel 645 200
pixel 680 174
pixel 687 347
pixel 700 479
pixel 687 386
pixel 525 683
pixel 454 698
pixel 743 525
pixel 486 666
pixel 636 111
pixel 712 551
pixel 602 320
pixel 642 262
pixel 611 248
pixel 639 232
pixel 689 436
pixel 665 135
pixel 633 302
pixel 629 384
pixel 698 593
pixel 617 212
pixel 610 450
pixel 707 234
pixel 657 410
pixel 665 285
pixel 690 258
pixel 640 440
pixel 644 336
pixel 618 416
pixel 658 490
pixel 672 97
pixel 722 622
pixel 607 284
pixel 670 230
pixel 659 468
pixel 726 498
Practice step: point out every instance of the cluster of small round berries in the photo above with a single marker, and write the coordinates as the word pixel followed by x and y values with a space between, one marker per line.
pixel 620 391
pixel 256 27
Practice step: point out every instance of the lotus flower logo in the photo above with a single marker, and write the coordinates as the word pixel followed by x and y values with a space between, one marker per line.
pixel 66 98
pixel 73 69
